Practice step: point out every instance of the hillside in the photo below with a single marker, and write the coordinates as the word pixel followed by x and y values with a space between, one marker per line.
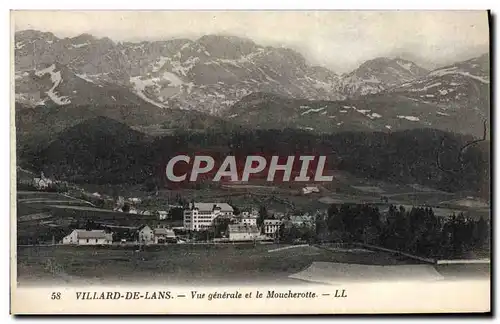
pixel 36 128
pixel 92 151
pixel 384 112
pixel 454 98
pixel 117 154
pixel 460 93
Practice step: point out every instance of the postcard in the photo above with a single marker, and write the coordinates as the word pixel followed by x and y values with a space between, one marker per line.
pixel 250 162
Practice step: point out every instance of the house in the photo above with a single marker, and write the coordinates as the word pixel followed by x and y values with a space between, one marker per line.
pixel 84 237
pixel 146 235
pixel 309 190
pixel 162 214
pixel 271 226
pixel 135 200
pixel 164 235
pixel 157 235
pixel 42 183
pixel 241 232
pixel 249 218
pixel 201 216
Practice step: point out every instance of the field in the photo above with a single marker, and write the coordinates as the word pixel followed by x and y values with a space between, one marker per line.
pixel 38 213
pixel 186 264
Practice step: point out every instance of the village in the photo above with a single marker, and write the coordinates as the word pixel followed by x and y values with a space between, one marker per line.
pixel 203 222
pixel 55 212
pixel 195 222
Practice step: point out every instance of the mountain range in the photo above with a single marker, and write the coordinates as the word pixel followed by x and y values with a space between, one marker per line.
pixel 229 82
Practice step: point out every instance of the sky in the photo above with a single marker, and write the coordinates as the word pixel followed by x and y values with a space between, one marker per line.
pixel 339 40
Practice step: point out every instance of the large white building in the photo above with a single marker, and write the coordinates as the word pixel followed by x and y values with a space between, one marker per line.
pixel 84 237
pixel 271 226
pixel 201 216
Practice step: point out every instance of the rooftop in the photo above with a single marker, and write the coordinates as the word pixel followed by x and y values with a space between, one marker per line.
pixel 224 207
pixel 164 232
pixel 272 221
pixel 92 234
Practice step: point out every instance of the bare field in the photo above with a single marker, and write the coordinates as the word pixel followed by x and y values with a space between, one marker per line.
pixel 188 264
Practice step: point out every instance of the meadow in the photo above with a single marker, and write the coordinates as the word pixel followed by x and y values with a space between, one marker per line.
pixel 181 263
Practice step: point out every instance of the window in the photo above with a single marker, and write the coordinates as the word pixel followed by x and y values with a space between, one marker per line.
pixel 87 240
pixel 96 240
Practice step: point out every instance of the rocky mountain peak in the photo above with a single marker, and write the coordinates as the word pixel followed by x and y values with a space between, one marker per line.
pixel 379 74
pixel 227 47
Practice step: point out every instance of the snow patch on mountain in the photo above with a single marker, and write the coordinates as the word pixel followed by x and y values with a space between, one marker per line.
pixel 410 118
pixel 80 45
pixel 139 87
pixel 374 116
pixel 175 81
pixel 455 70
pixel 407 66
pixel 312 110
pixel 55 77
pixel 20 75
pixel 84 77
pixel 427 87
pixel 160 63
pixel 20 45
pixel 475 77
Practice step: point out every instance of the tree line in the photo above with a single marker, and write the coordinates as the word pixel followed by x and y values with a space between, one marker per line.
pixel 400 157
pixel 418 230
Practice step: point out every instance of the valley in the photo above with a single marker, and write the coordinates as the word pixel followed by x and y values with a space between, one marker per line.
pixel 107 116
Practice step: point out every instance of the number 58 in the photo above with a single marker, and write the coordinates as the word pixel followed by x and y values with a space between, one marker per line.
pixel 55 295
